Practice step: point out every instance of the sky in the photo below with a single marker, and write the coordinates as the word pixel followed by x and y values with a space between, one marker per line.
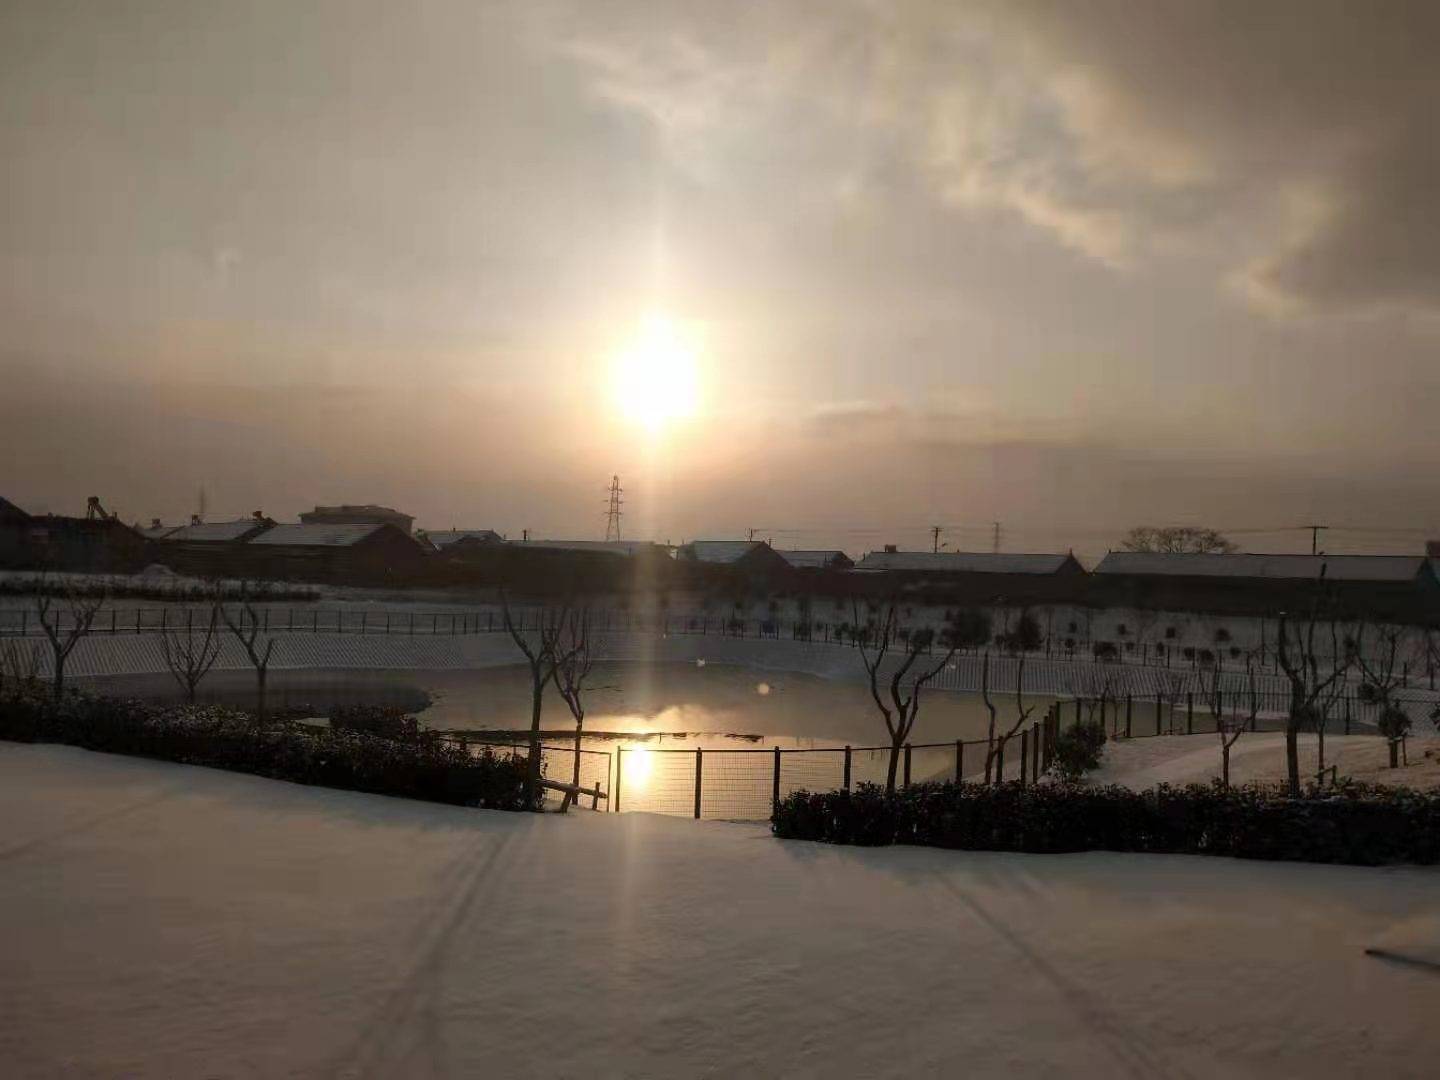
pixel 1069 266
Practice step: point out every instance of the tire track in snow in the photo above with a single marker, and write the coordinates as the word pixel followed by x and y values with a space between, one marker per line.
pixel 93 822
pixel 390 1036
pixel 1133 1056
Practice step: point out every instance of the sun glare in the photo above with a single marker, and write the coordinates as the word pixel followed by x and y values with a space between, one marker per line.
pixel 656 376
pixel 638 767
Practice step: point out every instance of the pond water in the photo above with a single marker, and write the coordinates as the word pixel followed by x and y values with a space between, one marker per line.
pixel 661 704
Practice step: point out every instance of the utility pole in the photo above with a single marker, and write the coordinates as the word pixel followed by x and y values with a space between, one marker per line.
pixel 612 511
pixel 935 539
pixel 995 541
pixel 1315 531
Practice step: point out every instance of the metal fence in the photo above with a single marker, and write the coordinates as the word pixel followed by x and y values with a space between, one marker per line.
pixel 1131 716
pixel 274 619
pixel 745 785
pixel 556 763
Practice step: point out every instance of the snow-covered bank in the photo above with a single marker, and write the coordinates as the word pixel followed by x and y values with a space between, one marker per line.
pixel 169 921
pixel 1195 759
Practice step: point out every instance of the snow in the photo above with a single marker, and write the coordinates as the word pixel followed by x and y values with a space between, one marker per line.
pixel 1195 759
pixel 162 920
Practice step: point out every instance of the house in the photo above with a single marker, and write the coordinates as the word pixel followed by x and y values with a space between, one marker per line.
pixel 15 527
pixel 373 553
pixel 208 548
pixel 748 558
pixel 1371 586
pixel 99 545
pixel 360 514
pixel 627 549
pixel 156 530
pixel 445 539
pixel 816 559
pixel 976 577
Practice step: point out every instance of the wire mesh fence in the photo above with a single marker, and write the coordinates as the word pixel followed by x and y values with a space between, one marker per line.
pixel 558 764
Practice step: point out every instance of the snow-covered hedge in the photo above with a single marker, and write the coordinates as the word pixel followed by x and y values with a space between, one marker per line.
pixel 418 767
pixel 1355 824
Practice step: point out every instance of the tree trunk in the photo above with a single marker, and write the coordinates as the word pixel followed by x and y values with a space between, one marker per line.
pixel 532 771
pixel 1320 732
pixel 1225 766
pixel 59 674
pixel 260 675
pixel 896 746
pixel 1394 754
pixel 1292 759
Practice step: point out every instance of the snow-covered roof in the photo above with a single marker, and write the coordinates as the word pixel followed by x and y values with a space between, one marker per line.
pixel 156 532
pixel 964 562
pixel 1277 567
pixel 214 531
pixel 316 535
pixel 722 551
pixel 812 559
pixel 604 547
pixel 443 538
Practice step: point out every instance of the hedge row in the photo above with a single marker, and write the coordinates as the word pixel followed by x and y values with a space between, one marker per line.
pixel 417 767
pixel 1362 825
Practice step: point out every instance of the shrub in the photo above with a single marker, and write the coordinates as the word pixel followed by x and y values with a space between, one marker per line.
pixel 1355 824
pixel 343 757
pixel 1106 650
pixel 1077 751
pixel 382 721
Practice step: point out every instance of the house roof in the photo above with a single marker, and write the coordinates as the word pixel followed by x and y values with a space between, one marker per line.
pixel 1275 567
pixel 604 547
pixel 809 559
pixel 213 531
pixel 443 538
pixel 316 535
pixel 156 532
pixel 722 551
pixel 10 512
pixel 964 562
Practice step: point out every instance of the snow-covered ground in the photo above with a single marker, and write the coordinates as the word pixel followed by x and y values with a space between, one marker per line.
pixel 1195 759
pixel 161 920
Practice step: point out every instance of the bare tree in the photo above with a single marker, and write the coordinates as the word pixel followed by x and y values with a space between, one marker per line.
pixel 245 626
pixel 191 651
pixel 1383 675
pixel 19 661
pixel 899 709
pixel 1229 728
pixel 82 607
pixel 1176 539
pixel 543 653
pixel 995 745
pixel 575 663
pixel 1298 650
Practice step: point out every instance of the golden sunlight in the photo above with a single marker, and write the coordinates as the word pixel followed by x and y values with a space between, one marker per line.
pixel 638 767
pixel 656 379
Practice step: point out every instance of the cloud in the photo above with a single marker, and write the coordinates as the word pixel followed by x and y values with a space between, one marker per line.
pixel 1121 131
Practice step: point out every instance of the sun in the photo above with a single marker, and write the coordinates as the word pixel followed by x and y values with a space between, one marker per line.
pixel 656 378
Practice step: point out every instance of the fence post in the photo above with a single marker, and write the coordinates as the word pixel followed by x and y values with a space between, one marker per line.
pixel 619 766
pixel 1189 712
pixel 846 784
pixel 1024 754
pixel 959 760
pixel 907 764
pixel 1347 716
pixel 775 784
pixel 164 617
pixel 112 623
pixel 1035 751
pixel 699 772
pixel 1127 714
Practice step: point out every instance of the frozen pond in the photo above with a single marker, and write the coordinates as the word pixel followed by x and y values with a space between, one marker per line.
pixel 670 703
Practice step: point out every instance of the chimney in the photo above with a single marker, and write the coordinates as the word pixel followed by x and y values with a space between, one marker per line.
pixel 1432 549
pixel 258 515
pixel 155 523
pixel 891 549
